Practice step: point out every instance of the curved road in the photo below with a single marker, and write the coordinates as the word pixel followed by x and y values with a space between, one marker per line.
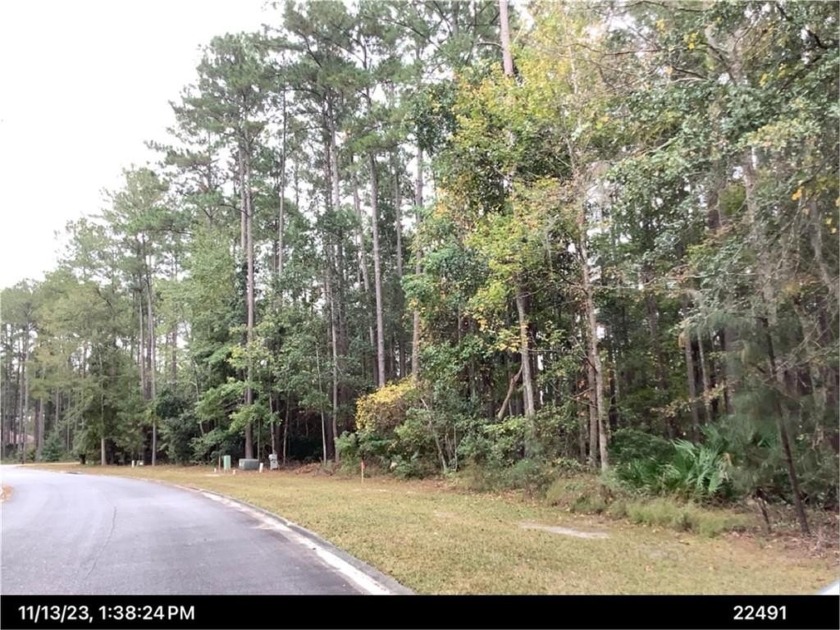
pixel 80 534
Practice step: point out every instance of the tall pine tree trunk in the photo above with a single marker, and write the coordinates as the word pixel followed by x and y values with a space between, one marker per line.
pixel 323 418
pixel 691 379
pixel 243 244
pixel 335 181
pixel 395 168
pixel 19 402
pixel 281 218
pixel 592 341
pixel 102 454
pixel 25 411
pixel 593 414
pixel 334 343
pixel 707 384
pixel 36 429
pixel 42 414
pixel 652 313
pixel 150 320
pixel 418 204
pixel 249 239
pixel 243 213
pixel 525 354
pixel 173 375
pixel 415 317
pixel 57 415
pixel 363 268
pixel 377 272
pixel 141 351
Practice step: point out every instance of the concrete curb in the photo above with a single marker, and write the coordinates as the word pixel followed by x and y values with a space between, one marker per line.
pixel 385 581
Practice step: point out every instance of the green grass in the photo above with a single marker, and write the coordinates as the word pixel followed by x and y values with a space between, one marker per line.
pixel 435 538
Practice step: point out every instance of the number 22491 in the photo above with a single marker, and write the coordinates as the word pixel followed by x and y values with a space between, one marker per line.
pixel 750 613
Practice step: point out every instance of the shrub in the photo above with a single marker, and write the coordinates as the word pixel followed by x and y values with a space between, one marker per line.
pixel 534 476
pixel 53 450
pixel 568 466
pixel 347 445
pixel 642 474
pixel 413 467
pixel 628 445
pixel 759 465
pixel 474 477
pixel 177 435
pixel 503 443
pixel 531 475
pixel 390 432
pixel 573 491
pixel 386 408
pixel 214 444
pixel 700 472
pixel 557 428
pixel 506 441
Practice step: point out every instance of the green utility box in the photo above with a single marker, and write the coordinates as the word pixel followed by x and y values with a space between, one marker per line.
pixel 226 462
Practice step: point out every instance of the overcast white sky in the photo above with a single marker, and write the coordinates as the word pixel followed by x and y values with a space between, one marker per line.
pixel 83 83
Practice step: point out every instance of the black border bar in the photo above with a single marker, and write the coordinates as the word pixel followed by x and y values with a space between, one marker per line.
pixel 416 612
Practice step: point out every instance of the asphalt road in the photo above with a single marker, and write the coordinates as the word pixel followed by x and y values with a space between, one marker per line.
pixel 97 535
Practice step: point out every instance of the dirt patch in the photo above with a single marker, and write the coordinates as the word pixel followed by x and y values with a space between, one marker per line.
pixel 564 531
pixel 5 493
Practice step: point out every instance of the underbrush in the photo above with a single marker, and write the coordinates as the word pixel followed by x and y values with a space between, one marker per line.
pixel 565 486
pixel 603 495
pixel 532 476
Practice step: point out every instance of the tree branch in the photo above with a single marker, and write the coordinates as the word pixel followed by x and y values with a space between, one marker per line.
pixel 501 413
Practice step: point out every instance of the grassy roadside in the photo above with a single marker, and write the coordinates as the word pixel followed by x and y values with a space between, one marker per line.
pixel 436 539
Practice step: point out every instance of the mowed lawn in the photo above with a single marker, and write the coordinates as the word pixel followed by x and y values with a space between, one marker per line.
pixel 436 539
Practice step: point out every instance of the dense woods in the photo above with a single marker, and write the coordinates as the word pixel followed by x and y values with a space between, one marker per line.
pixel 439 235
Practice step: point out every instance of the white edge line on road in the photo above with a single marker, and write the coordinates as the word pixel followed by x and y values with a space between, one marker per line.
pixel 357 577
